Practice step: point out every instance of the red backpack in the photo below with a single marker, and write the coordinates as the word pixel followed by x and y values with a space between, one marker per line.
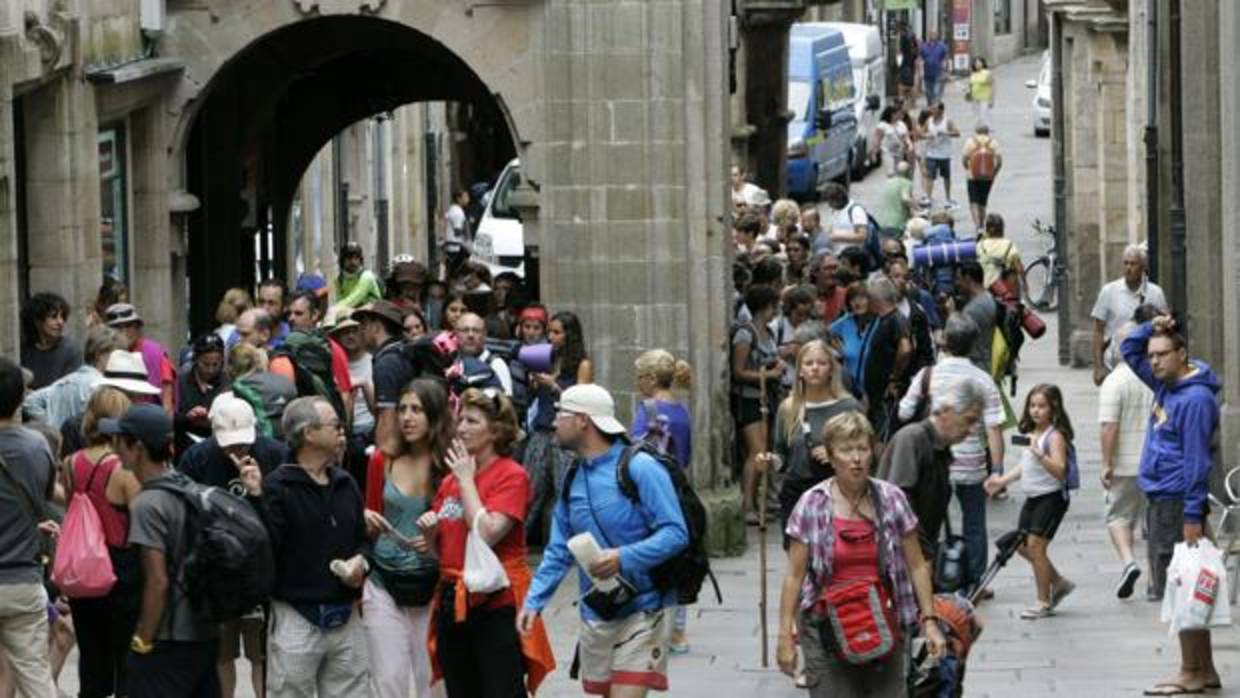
pixel 983 161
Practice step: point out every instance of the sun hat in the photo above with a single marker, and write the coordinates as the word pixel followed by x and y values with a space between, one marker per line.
pixel 127 371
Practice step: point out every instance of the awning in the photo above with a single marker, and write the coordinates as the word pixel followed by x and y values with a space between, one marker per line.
pixel 133 70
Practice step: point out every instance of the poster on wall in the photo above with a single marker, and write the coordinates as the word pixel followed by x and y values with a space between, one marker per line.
pixel 961 20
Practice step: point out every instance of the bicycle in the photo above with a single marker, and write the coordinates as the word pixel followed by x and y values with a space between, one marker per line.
pixel 1044 274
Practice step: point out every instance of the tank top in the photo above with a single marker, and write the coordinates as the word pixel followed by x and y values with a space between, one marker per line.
pixel 1036 480
pixel 856 550
pixel 938 141
pixel 402 511
pixel 92 478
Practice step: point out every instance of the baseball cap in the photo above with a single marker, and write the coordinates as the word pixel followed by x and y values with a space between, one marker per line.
pixel 232 420
pixel 146 423
pixel 313 283
pixel 594 402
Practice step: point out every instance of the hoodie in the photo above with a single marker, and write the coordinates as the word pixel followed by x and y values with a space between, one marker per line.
pixel 1176 460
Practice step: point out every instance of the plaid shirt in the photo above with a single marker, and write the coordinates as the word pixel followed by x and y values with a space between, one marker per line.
pixel 810 524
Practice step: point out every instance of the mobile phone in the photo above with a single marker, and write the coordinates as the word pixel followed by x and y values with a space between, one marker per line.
pixel 1021 440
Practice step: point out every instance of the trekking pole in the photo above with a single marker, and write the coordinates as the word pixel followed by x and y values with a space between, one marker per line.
pixel 762 485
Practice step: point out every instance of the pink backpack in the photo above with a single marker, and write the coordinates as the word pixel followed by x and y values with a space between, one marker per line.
pixel 82 568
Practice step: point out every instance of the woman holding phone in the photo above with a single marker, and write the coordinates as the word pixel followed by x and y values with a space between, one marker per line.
pixel 404 574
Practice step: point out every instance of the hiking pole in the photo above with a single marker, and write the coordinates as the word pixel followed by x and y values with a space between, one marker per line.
pixel 762 485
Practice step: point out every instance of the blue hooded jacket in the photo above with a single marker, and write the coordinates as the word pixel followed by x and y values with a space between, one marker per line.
pixel 647 532
pixel 1176 461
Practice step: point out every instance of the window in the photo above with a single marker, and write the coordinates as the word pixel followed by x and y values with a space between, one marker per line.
pixel 1003 16
pixel 798 98
pixel 502 208
pixel 113 199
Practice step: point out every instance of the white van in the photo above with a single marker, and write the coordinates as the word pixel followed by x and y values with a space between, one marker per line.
pixel 499 242
pixel 865 50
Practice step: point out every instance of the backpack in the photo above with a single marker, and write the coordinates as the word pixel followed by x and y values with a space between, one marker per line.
pixel 984 160
pixel 1072 478
pixel 940 279
pixel 82 567
pixel 311 356
pixel 686 571
pixel 658 434
pixel 1008 324
pixel 229 566
pixel 262 422
pixel 873 245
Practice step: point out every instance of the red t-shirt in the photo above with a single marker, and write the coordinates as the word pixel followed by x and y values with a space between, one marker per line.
pixel 504 488
pixel 833 304
pixel 340 367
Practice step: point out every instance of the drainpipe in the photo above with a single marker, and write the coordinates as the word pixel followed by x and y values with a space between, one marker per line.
pixel 1151 137
pixel 1060 184
pixel 1179 261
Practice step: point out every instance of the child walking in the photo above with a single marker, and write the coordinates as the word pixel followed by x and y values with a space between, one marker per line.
pixel 1043 472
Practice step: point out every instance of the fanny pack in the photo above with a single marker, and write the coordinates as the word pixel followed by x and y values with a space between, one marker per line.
pixel 859 621
pixel 324 616
pixel 608 604
pixel 414 588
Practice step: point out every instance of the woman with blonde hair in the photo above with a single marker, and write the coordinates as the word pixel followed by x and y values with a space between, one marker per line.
pixel 664 421
pixel 234 302
pixel 105 625
pixel 854 537
pixel 799 450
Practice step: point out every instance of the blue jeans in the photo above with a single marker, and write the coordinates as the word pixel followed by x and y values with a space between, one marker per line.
pixel 973 528
pixel 933 85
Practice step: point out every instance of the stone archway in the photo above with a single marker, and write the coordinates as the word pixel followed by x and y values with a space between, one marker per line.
pixel 246 136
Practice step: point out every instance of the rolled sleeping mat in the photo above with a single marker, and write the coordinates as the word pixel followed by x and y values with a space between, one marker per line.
pixel 946 253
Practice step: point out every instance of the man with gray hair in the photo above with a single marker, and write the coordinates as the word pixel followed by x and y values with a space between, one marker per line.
pixel 886 356
pixel 313 511
pixel 1124 404
pixel 1116 303
pixel 919 457
pixel 973 456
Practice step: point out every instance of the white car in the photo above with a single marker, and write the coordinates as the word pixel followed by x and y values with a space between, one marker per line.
pixel 499 241
pixel 1041 113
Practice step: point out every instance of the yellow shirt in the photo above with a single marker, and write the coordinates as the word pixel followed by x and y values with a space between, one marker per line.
pixel 981 86
pixel 995 255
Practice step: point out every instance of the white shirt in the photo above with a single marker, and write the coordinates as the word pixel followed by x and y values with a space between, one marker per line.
pixel 1126 401
pixel 457 224
pixel 938 141
pixel 847 219
pixel 499 368
pixel 1116 303
pixel 361 373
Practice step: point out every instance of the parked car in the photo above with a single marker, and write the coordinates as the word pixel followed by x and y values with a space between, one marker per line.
pixel 1042 103
pixel 865 50
pixel 823 131
pixel 499 242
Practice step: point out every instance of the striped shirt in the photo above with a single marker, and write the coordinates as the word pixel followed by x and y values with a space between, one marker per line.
pixel 811 524
pixel 969 457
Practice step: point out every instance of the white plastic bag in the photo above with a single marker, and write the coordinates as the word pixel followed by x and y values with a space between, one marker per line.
pixel 483 572
pixel 1196 594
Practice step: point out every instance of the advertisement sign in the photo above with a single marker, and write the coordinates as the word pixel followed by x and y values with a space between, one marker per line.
pixel 961 20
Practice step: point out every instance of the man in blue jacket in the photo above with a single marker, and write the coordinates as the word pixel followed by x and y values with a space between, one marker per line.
pixel 1175 471
pixel 623 641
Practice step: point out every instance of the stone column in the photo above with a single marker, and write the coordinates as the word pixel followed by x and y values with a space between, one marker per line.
pixel 1083 174
pixel 1113 233
pixel 765 37
pixel 632 170
pixel 1228 27
pixel 151 232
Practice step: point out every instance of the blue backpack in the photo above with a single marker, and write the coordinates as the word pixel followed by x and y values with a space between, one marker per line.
pixel 873 245
pixel 1072 479
pixel 940 280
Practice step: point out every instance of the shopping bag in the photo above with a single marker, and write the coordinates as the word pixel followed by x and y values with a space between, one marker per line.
pixel 483 573
pixel 82 568
pixel 1195 597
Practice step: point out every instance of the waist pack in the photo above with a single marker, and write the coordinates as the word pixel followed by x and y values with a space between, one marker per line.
pixel 407 589
pixel 859 621
pixel 324 616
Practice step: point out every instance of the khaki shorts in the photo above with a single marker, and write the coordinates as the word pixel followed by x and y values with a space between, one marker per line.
pixel 1125 502
pixel 629 651
pixel 234 632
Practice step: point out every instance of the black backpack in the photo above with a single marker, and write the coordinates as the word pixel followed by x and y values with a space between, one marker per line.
pixel 229 567
pixel 687 570
pixel 311 356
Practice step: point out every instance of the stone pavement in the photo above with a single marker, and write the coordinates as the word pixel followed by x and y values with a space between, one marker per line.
pixel 1096 647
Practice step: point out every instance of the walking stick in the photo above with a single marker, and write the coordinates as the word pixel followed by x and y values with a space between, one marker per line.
pixel 762 485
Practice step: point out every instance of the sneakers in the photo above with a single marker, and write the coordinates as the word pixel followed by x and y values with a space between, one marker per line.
pixel 679 644
pixel 1127 580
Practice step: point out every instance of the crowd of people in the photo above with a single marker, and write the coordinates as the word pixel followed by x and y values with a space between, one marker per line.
pixel 381 430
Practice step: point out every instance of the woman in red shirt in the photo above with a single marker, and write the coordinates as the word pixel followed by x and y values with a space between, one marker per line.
pixel 404 574
pixel 474 640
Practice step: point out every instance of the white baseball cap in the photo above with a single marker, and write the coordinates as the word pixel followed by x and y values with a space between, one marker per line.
pixel 232 420
pixel 594 402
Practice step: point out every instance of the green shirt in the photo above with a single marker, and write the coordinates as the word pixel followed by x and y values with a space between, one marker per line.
pixel 356 290
pixel 891 212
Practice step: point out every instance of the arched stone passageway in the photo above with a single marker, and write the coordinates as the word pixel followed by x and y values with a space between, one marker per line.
pixel 269 109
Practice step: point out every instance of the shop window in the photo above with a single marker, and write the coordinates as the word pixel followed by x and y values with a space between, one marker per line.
pixel 1003 17
pixel 113 199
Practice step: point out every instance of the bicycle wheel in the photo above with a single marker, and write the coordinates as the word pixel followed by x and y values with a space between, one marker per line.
pixel 1040 291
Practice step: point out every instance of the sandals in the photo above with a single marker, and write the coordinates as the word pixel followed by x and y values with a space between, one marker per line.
pixel 1171 689
pixel 1037 612
pixel 1060 592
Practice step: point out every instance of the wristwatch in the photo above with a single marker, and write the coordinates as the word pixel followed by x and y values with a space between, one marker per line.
pixel 140 646
pixel 929 616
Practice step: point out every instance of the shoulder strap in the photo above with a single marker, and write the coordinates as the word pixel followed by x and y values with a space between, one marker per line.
pixel 623 479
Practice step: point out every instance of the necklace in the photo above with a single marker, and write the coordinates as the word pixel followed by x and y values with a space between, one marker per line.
pixel 854 503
